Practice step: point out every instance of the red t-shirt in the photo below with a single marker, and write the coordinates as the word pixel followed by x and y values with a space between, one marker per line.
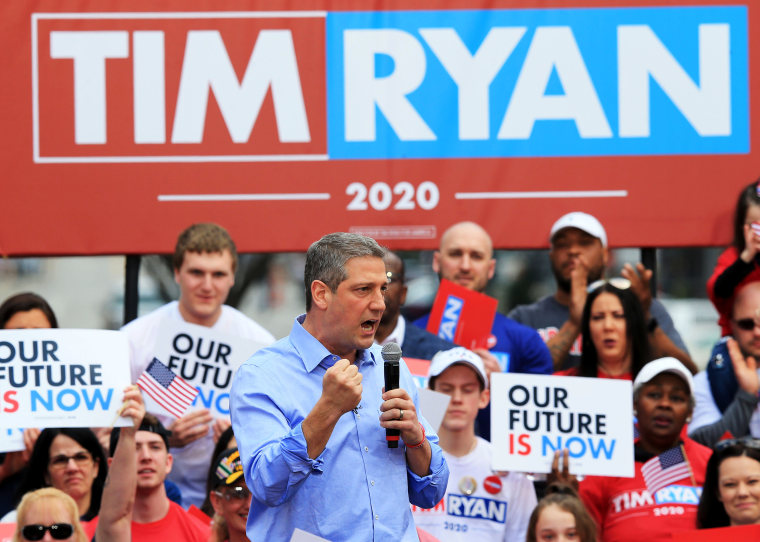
pixel 624 510
pixel 176 526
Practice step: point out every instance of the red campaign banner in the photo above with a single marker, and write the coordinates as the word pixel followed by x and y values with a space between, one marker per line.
pixel 127 121
pixel 462 316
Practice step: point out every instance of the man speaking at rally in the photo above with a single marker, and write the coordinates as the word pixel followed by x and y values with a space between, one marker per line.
pixel 310 414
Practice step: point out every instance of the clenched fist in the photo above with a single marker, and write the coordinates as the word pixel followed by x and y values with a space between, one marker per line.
pixel 342 386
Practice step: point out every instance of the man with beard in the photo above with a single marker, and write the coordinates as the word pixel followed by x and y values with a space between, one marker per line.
pixel 579 257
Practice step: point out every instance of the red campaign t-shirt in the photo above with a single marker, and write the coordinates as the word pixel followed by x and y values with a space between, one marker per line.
pixel 625 511
pixel 177 526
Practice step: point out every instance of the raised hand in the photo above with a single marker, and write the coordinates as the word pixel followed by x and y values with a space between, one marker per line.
pixel 190 427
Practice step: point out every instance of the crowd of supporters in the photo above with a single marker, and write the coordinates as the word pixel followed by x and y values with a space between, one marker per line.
pixel 186 478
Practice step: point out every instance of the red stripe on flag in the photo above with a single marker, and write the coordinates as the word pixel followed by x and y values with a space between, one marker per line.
pixel 158 394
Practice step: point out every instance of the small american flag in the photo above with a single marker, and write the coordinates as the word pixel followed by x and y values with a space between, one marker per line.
pixel 167 389
pixel 668 467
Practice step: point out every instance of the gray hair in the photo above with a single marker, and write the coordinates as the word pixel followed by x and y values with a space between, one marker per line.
pixel 326 259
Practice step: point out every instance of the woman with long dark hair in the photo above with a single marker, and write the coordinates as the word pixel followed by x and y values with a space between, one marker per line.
pixel 72 460
pixel 731 494
pixel 613 332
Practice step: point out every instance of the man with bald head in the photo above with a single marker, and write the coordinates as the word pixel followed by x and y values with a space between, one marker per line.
pixel 726 392
pixel 414 342
pixel 465 256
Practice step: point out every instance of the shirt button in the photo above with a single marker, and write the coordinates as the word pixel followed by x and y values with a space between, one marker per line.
pixel 358 415
pixel 372 482
pixel 377 517
pixel 366 449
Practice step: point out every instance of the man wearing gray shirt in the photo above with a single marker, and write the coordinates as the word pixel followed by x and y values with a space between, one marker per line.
pixel 579 257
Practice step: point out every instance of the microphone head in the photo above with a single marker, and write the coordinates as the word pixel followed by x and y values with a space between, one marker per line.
pixel 391 353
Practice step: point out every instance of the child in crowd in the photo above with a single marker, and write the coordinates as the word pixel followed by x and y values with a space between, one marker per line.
pixel 739 263
pixel 561 516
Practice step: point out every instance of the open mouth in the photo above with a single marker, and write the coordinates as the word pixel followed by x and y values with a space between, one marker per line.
pixel 662 421
pixel 369 325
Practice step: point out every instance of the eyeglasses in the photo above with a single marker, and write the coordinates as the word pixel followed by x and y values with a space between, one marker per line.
pixel 747 442
pixel 746 324
pixel 237 493
pixel 618 282
pixel 59 531
pixel 80 458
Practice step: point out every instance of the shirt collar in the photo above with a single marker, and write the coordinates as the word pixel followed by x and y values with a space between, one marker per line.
pixel 397 335
pixel 313 353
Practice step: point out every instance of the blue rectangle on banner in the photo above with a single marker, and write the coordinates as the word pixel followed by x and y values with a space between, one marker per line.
pixel 538 82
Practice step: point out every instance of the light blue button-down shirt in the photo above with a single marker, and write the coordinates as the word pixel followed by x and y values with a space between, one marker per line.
pixel 358 488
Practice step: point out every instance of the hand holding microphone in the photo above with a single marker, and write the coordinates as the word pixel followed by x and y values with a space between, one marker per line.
pixel 399 415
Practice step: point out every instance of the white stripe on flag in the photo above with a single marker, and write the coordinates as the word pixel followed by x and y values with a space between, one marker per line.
pixel 159 394
pixel 150 388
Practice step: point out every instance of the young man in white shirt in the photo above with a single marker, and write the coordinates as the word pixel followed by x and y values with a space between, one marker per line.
pixel 205 261
pixel 479 504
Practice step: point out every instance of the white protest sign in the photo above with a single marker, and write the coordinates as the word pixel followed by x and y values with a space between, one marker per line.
pixel 532 416
pixel 433 406
pixel 62 377
pixel 11 440
pixel 205 359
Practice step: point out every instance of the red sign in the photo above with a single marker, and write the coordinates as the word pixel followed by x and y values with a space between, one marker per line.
pixel 124 123
pixel 462 316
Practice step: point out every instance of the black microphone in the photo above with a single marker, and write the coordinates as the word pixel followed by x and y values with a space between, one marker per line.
pixel 391 355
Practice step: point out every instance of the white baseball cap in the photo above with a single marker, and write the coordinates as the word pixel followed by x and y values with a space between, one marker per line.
pixel 581 221
pixel 660 366
pixel 457 355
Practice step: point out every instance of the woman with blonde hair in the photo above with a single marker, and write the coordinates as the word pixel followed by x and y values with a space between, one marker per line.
pixel 48 514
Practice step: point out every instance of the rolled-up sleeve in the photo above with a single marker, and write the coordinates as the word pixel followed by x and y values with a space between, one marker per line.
pixel 427 491
pixel 275 458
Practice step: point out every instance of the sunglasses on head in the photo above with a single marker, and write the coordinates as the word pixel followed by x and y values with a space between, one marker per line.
pixel 618 282
pixel 747 442
pixel 58 531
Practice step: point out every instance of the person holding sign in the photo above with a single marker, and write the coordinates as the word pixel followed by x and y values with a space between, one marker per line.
pixel 465 257
pixel 479 502
pixel 663 495
pixel 310 414
pixel 731 494
pixel 204 262
pixel 21 311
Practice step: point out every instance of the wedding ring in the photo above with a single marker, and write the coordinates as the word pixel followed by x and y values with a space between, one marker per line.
pixel 400 414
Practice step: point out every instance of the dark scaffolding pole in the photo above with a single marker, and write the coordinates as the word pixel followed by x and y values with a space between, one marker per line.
pixel 131 295
pixel 649 259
